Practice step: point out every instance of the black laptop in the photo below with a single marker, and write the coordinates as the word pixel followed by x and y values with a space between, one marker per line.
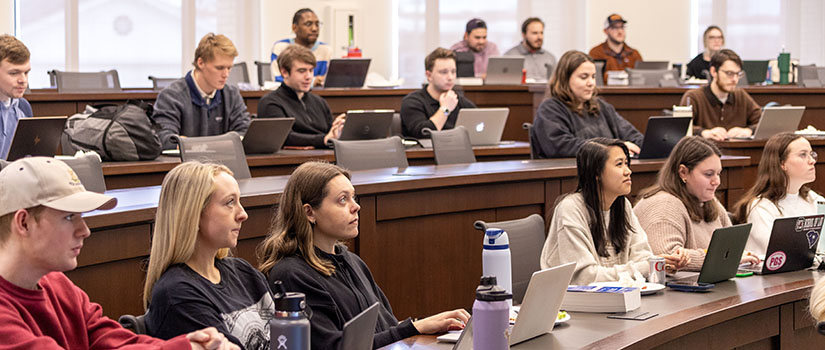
pixel 723 256
pixel 755 71
pixel 367 124
pixel 792 246
pixel 37 136
pixel 266 135
pixel 661 135
pixel 347 72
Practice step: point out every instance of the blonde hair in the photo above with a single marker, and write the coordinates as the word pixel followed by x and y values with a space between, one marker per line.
pixel 817 300
pixel 214 44
pixel 185 192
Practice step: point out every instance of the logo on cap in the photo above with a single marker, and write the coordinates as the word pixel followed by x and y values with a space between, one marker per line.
pixel 74 180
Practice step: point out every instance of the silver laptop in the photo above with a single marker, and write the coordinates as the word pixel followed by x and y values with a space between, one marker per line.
pixel 485 125
pixel 537 315
pixel 267 135
pixel 36 136
pixel 775 120
pixel 360 330
pixel 504 70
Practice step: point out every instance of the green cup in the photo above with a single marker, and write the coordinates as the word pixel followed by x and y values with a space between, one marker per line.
pixel 784 62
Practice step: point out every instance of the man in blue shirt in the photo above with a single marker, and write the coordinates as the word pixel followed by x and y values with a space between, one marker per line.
pixel 306 26
pixel 14 78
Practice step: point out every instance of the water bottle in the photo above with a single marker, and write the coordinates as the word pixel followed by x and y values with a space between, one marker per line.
pixel 491 316
pixel 289 327
pixel 495 259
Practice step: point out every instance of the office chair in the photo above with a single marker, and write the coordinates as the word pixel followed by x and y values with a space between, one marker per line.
pixel 652 65
pixel 225 149
pixel 264 72
pixel 161 83
pixel 451 146
pixel 653 77
pixel 370 154
pixel 529 128
pixel 599 72
pixel 526 237
pixel 89 170
pixel 68 82
pixel 465 64
pixel 238 74
pixel 808 76
pixel 395 127
pixel 136 324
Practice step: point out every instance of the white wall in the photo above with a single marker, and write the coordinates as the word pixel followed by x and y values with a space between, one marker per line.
pixel 7 16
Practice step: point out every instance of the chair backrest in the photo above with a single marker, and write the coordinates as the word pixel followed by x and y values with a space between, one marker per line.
pixel 599 72
pixel 808 76
pixel 264 72
pixel 52 78
pixel 395 126
pixel 370 154
pixel 452 146
pixel 238 74
pixel 161 83
pixel 526 241
pixel 653 77
pixel 107 81
pixel 89 170
pixel 225 149
pixel 529 128
pixel 464 62
pixel 136 324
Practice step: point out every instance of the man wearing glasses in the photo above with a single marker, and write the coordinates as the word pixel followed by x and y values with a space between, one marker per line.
pixel 616 54
pixel 306 26
pixel 720 109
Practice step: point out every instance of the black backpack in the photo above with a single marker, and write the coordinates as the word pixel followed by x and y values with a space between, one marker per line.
pixel 125 132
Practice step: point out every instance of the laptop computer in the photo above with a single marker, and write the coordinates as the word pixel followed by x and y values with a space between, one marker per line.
pixel 485 125
pixel 723 256
pixel 367 124
pixel 505 70
pixel 661 135
pixel 36 136
pixel 775 120
pixel 266 135
pixel 755 71
pixel 792 245
pixel 360 330
pixel 542 300
pixel 347 72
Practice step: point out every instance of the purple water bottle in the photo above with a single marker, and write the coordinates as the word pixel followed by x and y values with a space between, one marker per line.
pixel 491 316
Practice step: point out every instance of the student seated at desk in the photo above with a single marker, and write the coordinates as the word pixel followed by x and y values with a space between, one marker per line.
pixel 713 40
pixel 721 110
pixel 436 105
pixel 574 113
pixel 14 78
pixel 680 212
pixel 306 26
pixel 201 103
pixel 595 226
pixel 191 283
pixel 317 211
pixel 787 164
pixel 41 235
pixel 314 125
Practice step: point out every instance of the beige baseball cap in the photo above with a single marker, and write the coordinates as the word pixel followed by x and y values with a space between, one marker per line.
pixel 49 182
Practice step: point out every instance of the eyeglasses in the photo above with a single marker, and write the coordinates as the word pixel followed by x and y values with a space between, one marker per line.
pixel 812 154
pixel 732 74
pixel 716 37
pixel 619 27
pixel 310 24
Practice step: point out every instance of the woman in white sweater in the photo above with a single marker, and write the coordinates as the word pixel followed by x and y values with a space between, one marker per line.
pixel 595 225
pixel 787 164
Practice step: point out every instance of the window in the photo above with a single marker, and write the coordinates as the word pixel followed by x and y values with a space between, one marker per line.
pixel 40 27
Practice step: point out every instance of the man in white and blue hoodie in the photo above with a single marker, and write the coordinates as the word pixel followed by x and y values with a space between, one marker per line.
pixel 14 78
pixel 201 103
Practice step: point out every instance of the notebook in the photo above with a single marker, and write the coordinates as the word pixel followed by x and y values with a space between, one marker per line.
pixel 661 135
pixel 367 124
pixel 505 70
pixel 775 120
pixel 723 256
pixel 485 125
pixel 347 72
pixel 792 245
pixel 360 330
pixel 536 317
pixel 36 136
pixel 267 135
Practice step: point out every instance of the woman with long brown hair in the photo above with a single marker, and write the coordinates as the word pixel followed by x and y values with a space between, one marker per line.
pixel 787 164
pixel 573 113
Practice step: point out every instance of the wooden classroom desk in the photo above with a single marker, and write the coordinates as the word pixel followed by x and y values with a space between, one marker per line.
pixel 416 228
pixel 758 312
pixel 150 173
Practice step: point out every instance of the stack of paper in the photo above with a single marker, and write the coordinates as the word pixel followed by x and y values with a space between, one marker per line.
pixel 601 299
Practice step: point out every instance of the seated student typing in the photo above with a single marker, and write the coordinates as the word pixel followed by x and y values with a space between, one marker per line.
pixel 201 103
pixel 680 212
pixel 316 212
pixel 41 235
pixel 787 165
pixel 574 113
pixel 595 226
pixel 191 283
pixel 314 125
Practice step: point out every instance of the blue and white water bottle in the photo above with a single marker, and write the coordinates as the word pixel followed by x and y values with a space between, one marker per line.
pixel 495 259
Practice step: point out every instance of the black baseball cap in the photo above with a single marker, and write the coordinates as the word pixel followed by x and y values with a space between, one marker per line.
pixel 474 24
pixel 612 19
